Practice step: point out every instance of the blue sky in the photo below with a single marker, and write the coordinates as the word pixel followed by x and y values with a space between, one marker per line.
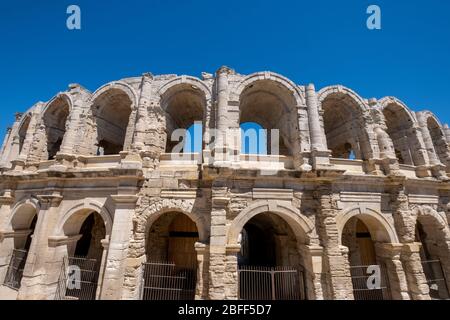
pixel 323 42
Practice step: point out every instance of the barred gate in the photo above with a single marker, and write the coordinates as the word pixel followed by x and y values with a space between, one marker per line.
pixel 72 287
pixel 271 283
pixel 15 269
pixel 436 279
pixel 361 289
pixel 167 281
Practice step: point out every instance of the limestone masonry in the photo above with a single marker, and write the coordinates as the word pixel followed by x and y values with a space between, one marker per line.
pixel 95 204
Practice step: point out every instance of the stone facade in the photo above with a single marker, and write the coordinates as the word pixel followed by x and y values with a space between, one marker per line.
pixel 352 176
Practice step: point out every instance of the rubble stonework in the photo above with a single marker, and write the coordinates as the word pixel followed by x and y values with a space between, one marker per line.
pixel 347 168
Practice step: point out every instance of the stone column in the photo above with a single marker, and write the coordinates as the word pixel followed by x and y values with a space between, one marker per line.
pixel 101 272
pixel 30 149
pixel 319 152
pixel 118 246
pixel 72 137
pixel 335 264
pixel 221 147
pixel 231 282
pixel 6 147
pixel 218 239
pixel 412 263
pixel 35 272
pixel 389 254
pixel 143 105
pixel 437 167
pixel 201 290
pixel 312 263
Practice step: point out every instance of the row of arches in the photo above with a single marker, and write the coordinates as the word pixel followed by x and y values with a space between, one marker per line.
pixel 269 236
pixel 265 104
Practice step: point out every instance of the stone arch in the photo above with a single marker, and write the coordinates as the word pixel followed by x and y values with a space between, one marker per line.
pixel 380 228
pixel 301 225
pixel 113 129
pixel 23 128
pixel 74 216
pixel 403 129
pixel 274 102
pixel 14 220
pixel 347 123
pixel 185 100
pixel 54 117
pixel 434 219
pixel 438 138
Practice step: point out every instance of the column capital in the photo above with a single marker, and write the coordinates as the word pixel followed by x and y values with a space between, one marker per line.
pixel 52 200
pixel 389 250
pixel 410 248
pixel 124 198
pixel 232 248
pixel 56 241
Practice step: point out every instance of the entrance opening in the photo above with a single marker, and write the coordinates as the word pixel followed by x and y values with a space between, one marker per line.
pixel 55 118
pixel 368 274
pixel 80 270
pixel 430 255
pixel 170 272
pixel 269 264
pixel 23 224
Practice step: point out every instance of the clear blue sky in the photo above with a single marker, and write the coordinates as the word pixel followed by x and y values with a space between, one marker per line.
pixel 323 42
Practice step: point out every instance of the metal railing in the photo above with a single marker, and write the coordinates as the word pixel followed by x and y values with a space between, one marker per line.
pixel 167 281
pixel 361 279
pixel 436 279
pixel 15 269
pixel 271 283
pixel 78 279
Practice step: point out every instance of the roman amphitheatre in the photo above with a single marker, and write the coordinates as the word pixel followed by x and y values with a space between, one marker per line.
pixel 350 199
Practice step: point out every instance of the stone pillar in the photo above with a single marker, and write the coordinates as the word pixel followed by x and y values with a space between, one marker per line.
pixel 312 256
pixel 118 246
pixel 72 137
pixel 221 147
pixel 319 152
pixel 201 290
pixel 6 146
pixel 412 263
pixel 389 255
pixel 218 239
pixel 36 270
pixel 30 148
pixel 335 264
pixel 231 282
pixel 12 150
pixel 436 166
pixel 101 272
pixel 143 105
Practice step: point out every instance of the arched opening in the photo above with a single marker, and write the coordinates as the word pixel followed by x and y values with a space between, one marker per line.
pixel 55 118
pixel 112 110
pixel 368 271
pixel 82 267
pixel 439 141
pixel 23 132
pixel 170 272
pixel 433 253
pixel 270 266
pixel 18 244
pixel 344 128
pixel 253 138
pixel 273 108
pixel 400 128
pixel 184 107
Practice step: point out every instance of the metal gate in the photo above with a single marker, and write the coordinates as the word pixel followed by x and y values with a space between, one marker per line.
pixel 362 276
pixel 81 283
pixel 15 269
pixel 436 279
pixel 167 281
pixel 271 283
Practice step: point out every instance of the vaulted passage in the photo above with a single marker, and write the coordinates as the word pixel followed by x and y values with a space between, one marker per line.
pixel 402 133
pixel 269 264
pixel 111 111
pixel 170 272
pixel 344 128
pixel 184 107
pixel 55 119
pixel 273 108
pixel 365 263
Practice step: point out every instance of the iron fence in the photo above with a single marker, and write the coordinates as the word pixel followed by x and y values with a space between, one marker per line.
pixel 14 273
pixel 80 285
pixel 436 279
pixel 362 278
pixel 167 281
pixel 271 283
